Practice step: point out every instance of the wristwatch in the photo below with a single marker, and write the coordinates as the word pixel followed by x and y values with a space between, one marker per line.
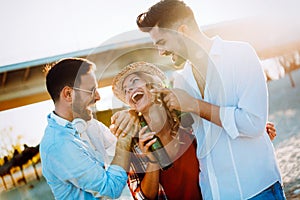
pixel 79 124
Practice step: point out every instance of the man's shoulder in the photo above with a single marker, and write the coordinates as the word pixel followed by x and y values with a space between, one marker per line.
pixel 55 137
pixel 95 122
pixel 235 45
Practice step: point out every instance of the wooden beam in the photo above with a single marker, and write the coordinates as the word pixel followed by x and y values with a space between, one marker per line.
pixel 26 74
pixel 4 77
pixel 22 101
pixel 35 98
pixel 105 82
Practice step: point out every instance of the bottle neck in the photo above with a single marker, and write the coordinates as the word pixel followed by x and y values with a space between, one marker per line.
pixel 164 133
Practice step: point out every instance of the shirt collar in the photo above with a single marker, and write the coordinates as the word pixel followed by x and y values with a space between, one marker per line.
pixel 61 121
pixel 216 46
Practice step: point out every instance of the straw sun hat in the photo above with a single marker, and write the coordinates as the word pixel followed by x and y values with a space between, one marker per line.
pixel 148 68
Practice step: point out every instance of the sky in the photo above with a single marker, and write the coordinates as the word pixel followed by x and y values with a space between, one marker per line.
pixel 34 29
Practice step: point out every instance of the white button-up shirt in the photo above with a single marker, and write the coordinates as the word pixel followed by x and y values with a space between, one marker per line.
pixel 238 160
pixel 101 139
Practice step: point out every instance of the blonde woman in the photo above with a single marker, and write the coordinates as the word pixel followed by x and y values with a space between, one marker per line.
pixel 146 180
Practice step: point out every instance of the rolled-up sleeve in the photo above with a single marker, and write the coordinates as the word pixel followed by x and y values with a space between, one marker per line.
pixel 85 172
pixel 248 116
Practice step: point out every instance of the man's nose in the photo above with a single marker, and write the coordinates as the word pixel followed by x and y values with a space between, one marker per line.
pixel 161 52
pixel 97 96
pixel 164 52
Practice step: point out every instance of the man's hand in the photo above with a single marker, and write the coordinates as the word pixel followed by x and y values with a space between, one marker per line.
pixel 123 147
pixel 177 99
pixel 124 143
pixel 123 121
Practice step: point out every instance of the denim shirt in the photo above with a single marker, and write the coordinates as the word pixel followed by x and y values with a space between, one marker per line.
pixel 72 168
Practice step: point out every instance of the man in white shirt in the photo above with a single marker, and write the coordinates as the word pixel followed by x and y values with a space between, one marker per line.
pixel 227 95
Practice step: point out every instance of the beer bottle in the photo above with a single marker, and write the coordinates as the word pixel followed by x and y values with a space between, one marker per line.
pixel 158 149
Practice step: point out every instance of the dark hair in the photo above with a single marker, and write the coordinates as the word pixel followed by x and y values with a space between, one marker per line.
pixel 65 73
pixel 165 14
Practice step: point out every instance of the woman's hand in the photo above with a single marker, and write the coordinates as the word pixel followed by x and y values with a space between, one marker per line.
pixel 271 130
pixel 145 142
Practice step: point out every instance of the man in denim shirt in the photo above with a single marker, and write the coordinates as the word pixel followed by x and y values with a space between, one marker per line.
pixel 71 166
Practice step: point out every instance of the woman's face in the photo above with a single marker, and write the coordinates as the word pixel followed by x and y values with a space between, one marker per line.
pixel 137 94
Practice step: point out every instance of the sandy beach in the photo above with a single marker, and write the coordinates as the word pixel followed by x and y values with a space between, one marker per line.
pixel 284 111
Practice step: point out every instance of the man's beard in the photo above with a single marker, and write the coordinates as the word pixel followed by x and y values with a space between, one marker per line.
pixel 181 58
pixel 81 110
pixel 179 61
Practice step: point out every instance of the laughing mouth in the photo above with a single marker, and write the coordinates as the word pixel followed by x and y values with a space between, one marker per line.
pixel 137 96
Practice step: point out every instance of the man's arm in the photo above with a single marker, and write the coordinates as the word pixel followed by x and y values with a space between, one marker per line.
pixel 247 118
pixel 247 115
pixel 246 111
pixel 122 155
pixel 177 99
pixel 71 162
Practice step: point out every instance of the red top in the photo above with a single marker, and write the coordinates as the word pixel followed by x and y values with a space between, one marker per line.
pixel 181 181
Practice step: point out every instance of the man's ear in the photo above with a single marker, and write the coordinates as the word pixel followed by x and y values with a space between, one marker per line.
pixel 66 93
pixel 183 29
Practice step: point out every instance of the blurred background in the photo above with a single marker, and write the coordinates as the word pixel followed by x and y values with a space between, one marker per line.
pixel 36 33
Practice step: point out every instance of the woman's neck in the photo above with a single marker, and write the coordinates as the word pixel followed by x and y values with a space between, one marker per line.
pixel 158 122
pixel 156 117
